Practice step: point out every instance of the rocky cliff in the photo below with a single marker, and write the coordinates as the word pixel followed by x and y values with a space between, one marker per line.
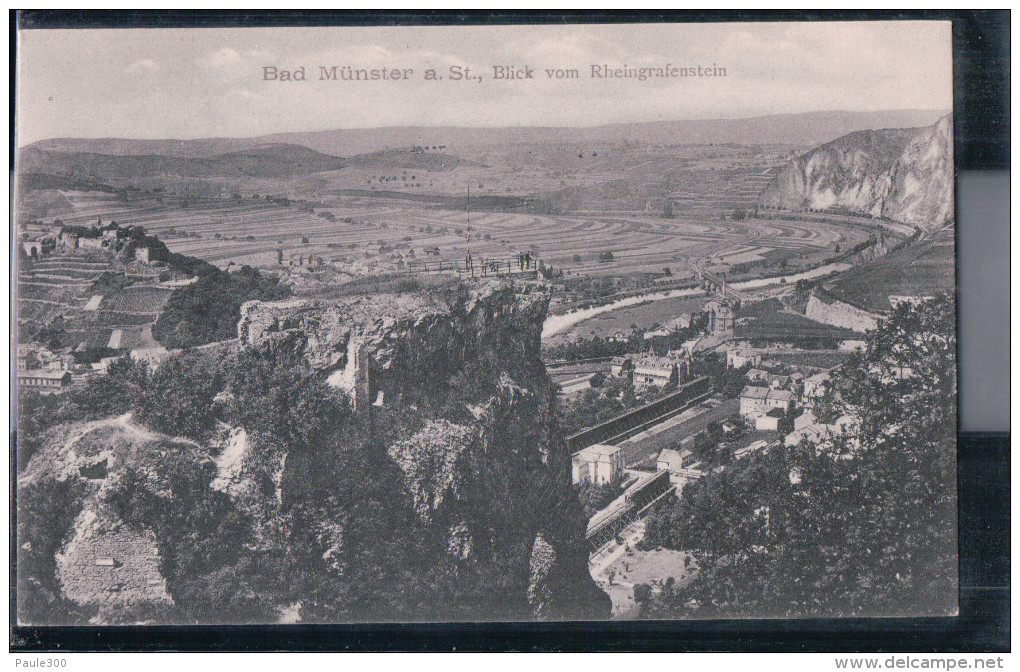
pixel 450 387
pixel 379 457
pixel 902 174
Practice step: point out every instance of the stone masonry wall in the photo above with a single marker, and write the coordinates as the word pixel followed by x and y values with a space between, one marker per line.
pixel 110 568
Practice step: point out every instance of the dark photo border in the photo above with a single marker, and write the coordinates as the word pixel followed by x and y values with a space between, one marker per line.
pixel 981 41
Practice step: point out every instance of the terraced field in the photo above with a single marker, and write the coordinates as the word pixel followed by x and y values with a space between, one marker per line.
pixel 225 231
pixel 62 289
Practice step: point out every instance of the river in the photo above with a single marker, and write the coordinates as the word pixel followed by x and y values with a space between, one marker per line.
pixel 557 324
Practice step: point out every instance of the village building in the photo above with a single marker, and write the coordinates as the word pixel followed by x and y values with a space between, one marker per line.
pixel 151 356
pixel 769 422
pixel 720 316
pixel 778 382
pixel 681 465
pixel 814 386
pixel 621 366
pixel 757 375
pixel 44 380
pixel 740 453
pixel 756 400
pixel 738 359
pixel 806 427
pixel 599 464
pixel 654 371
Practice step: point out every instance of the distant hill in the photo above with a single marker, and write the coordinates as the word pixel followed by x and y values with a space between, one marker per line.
pixel 266 161
pixel 904 174
pixel 35 181
pixel 810 128
pixel 57 169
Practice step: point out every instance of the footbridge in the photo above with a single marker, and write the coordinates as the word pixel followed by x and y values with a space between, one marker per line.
pixel 635 504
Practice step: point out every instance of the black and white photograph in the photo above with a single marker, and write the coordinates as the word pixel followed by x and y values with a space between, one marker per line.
pixel 485 323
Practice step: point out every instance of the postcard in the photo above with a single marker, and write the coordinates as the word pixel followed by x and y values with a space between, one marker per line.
pixel 485 323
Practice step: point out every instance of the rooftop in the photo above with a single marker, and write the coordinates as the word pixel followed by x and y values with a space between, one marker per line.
pixel 596 451
pixel 754 392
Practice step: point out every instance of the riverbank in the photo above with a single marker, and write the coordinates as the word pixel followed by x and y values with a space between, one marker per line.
pixel 558 324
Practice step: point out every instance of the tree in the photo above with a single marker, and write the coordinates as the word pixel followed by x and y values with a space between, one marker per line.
pixel 178 399
pixel 863 524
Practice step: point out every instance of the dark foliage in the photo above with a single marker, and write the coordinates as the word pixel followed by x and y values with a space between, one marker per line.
pixel 46 511
pixel 208 310
pixel 596 497
pixel 178 397
pixel 864 526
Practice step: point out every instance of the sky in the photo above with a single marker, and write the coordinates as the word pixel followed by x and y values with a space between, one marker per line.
pixel 203 82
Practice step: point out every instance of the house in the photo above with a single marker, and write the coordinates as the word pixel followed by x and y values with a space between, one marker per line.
pixel 599 464
pixel 814 386
pixel 44 380
pixel 780 399
pixel 27 358
pixel 720 316
pixel 653 371
pixel 757 375
pixel 736 359
pixel 779 382
pixel 151 356
pixel 671 327
pixel 815 432
pixel 621 366
pixel 752 401
pixel 103 365
pixel 756 400
pixel 768 422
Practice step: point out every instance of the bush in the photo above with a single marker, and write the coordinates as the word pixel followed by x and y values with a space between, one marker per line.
pixel 208 310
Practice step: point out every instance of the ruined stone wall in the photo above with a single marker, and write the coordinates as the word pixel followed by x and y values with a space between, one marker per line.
pixel 112 568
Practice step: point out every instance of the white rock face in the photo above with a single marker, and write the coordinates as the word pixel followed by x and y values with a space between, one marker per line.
pixel 905 175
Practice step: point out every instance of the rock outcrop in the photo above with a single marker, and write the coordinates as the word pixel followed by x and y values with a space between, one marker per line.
pixel 463 407
pixel 905 175
pixel 443 494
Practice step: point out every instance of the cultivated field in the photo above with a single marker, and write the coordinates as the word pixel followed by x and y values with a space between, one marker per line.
pixel 60 292
pixel 372 234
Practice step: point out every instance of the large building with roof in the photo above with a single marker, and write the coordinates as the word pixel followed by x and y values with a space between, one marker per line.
pixel 599 464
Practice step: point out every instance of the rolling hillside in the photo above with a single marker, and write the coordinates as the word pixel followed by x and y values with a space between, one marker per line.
pixel 268 161
pixel 810 128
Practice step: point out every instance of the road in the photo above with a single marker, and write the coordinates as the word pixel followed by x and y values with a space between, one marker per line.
pixel 648 443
